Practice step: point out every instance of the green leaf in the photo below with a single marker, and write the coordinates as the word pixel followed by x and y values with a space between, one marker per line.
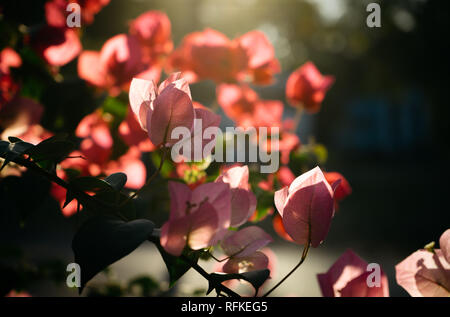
pixel 103 240
pixel 256 278
pixel 116 180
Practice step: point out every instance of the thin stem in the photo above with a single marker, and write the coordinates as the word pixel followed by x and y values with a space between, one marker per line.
pixel 304 254
pixel 297 117
pixel 150 179
pixel 217 285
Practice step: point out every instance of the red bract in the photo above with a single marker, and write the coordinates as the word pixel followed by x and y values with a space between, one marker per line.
pixel 116 64
pixel 306 87
pixel 130 163
pixel 209 55
pixel 242 249
pixel 56 11
pixel 198 218
pixel 243 105
pixel 57 45
pixel 424 274
pixel 153 30
pixel 243 201
pixel 131 132
pixel 348 277
pixel 343 190
pixel 97 144
pixel 262 64
pixel 306 207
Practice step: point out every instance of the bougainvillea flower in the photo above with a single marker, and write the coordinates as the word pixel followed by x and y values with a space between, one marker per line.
pixel 131 164
pixel 14 293
pixel 57 45
pixel 56 11
pixel 98 142
pixel 306 87
pixel 424 274
pixel 243 201
pixel 347 277
pixel 9 58
pixel 113 68
pixel 262 64
pixel 306 207
pixel 343 190
pixel 198 218
pixel 209 55
pixel 132 134
pixel 444 244
pixel 153 30
pixel 277 223
pixel 243 105
pixel 160 110
pixel 242 249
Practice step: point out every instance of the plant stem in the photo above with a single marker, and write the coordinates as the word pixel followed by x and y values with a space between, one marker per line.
pixel 297 118
pixel 304 254
pixel 150 179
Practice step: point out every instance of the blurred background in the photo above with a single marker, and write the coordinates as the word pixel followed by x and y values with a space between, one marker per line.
pixel 384 123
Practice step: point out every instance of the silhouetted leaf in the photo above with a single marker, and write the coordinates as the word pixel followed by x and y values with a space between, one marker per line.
pixel 116 180
pixel 103 240
pixel 54 149
pixel 256 278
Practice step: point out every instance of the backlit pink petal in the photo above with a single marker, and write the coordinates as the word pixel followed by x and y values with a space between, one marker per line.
pixel 172 108
pixel 204 226
pixel 174 235
pixel 424 274
pixel 89 68
pixel 17 116
pixel 280 199
pixel 348 267
pixel 358 287
pixel 180 196
pixel 142 94
pixel 253 262
pixel 444 244
pixel 243 201
pixel 219 196
pixel 245 241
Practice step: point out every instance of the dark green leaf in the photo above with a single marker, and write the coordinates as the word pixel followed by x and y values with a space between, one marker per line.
pixel 256 278
pixel 14 139
pixel 54 149
pixel 91 184
pixel 3 146
pixel 176 266
pixel 103 240
pixel 116 180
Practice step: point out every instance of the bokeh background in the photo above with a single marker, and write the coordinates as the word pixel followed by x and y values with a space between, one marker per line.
pixel 384 123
